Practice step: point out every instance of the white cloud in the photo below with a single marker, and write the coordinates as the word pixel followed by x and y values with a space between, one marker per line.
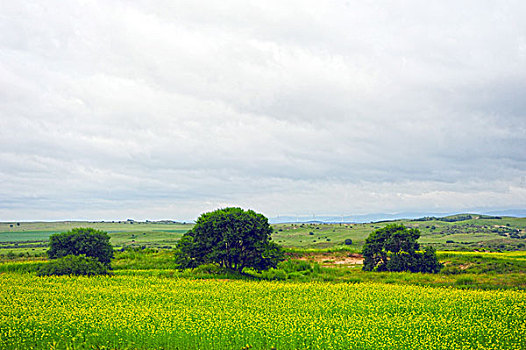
pixel 166 109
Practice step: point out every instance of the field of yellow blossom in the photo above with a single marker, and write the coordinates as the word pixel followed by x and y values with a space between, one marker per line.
pixel 130 312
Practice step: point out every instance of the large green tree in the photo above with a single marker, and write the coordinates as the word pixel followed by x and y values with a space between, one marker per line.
pixel 395 248
pixel 232 238
pixel 81 241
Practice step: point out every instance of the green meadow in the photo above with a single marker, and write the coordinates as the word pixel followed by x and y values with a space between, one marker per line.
pixel 461 232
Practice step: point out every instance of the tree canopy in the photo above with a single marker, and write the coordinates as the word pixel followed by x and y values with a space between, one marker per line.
pixel 81 241
pixel 395 248
pixel 232 238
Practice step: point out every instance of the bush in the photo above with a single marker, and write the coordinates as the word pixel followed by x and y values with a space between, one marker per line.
pixel 81 241
pixel 73 265
pixel 348 241
pixel 394 248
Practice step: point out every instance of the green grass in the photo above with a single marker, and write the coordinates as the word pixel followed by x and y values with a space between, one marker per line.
pixel 465 235
pixel 29 236
pixel 21 236
pixel 489 270
pixel 492 234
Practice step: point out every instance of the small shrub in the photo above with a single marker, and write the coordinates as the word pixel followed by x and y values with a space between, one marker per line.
pixel 348 241
pixel 73 265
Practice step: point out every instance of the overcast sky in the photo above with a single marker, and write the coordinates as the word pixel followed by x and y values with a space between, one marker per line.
pixel 166 109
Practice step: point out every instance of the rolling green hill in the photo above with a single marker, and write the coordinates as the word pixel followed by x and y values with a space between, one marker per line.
pixel 457 232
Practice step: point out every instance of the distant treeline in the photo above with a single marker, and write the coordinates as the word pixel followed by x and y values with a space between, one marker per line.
pixel 461 217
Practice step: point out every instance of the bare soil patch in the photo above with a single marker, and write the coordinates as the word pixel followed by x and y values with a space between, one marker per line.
pixel 332 259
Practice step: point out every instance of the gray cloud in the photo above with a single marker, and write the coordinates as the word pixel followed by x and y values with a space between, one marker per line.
pixel 166 109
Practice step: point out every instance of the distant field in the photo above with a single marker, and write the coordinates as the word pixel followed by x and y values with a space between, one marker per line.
pixel 460 233
pixel 20 237
pixel 506 233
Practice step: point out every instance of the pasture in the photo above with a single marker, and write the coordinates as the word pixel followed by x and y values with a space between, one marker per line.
pixel 461 232
pixel 458 232
pixel 32 237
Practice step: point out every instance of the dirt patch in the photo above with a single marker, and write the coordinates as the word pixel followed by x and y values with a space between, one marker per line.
pixel 327 260
pixel 465 266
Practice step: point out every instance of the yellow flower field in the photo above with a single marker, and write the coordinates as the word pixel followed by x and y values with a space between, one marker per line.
pixel 151 312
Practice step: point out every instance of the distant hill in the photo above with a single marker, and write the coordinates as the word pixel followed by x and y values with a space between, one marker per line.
pixel 378 217
pixel 518 213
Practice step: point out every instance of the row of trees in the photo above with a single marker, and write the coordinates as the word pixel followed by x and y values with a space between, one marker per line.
pixel 234 239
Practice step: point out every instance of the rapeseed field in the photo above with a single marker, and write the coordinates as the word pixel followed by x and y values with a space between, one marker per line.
pixel 143 312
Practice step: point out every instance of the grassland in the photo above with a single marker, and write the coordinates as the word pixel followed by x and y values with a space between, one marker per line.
pixel 458 233
pixel 318 299
pixel 32 237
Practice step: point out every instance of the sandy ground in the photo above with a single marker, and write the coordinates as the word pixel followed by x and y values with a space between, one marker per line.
pixel 331 260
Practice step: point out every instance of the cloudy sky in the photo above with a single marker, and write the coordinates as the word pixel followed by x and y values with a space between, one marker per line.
pixel 166 109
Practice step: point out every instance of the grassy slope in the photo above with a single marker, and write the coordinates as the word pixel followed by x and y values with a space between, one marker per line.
pixel 467 234
pixel 481 234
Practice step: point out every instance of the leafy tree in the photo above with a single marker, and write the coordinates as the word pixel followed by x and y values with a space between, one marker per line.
pixel 81 241
pixel 395 248
pixel 232 238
